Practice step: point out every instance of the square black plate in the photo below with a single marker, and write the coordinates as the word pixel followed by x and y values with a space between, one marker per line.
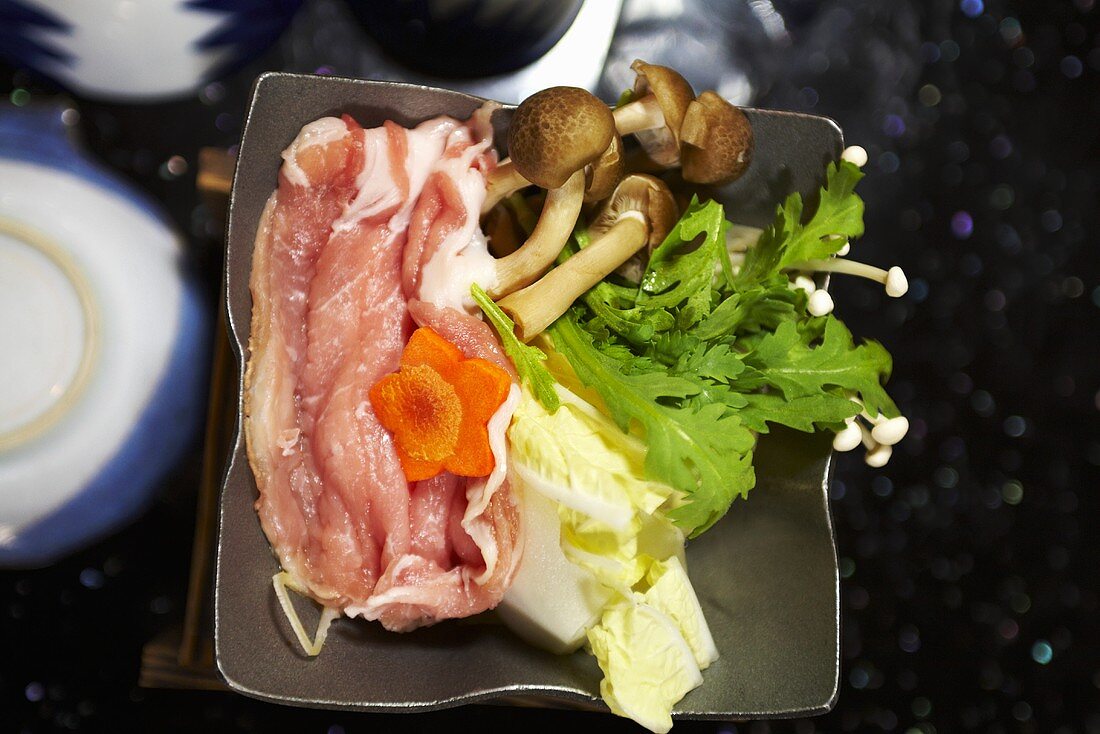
pixel 766 574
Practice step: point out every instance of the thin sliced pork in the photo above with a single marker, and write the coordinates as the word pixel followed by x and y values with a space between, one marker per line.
pixel 362 222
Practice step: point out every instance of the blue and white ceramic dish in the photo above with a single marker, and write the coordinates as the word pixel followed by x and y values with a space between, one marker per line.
pixel 138 50
pixel 103 344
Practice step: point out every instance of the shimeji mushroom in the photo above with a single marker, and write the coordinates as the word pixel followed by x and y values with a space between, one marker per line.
pixel 600 177
pixel 640 212
pixel 604 175
pixel 601 174
pixel 655 115
pixel 709 137
pixel 715 141
pixel 554 135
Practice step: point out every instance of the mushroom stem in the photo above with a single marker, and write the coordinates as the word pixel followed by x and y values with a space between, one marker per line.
pixel 538 305
pixel 641 114
pixel 868 441
pixel 894 278
pixel 879 456
pixel 559 216
pixel 849 437
pixel 878 452
pixel 741 238
pixel 502 182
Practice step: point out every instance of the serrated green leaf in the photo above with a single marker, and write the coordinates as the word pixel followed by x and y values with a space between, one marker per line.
pixel 635 324
pixel 717 362
pixel 762 306
pixel 698 359
pixel 703 453
pixel 681 272
pixel 799 370
pixel 838 217
pixel 527 359
pixel 802 414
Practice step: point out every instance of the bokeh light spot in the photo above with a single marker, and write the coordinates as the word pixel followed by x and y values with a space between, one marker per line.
pixel 1042 652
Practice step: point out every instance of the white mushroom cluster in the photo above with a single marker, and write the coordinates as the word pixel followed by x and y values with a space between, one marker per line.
pixel 878 435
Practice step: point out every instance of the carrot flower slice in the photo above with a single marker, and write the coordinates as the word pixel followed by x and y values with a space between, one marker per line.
pixel 438 406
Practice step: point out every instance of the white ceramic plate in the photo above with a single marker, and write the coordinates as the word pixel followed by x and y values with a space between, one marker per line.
pixel 103 337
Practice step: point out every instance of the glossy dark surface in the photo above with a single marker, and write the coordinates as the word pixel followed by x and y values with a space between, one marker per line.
pixel 490 36
pixel 766 575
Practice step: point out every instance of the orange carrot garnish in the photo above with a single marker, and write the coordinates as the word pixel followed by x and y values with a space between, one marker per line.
pixel 437 407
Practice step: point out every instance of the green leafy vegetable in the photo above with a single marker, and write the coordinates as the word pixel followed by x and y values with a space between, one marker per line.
pixel 754 308
pixel 704 452
pixel 799 370
pixel 527 359
pixel 682 277
pixel 699 359
pixel 613 305
pixel 802 413
pixel 839 216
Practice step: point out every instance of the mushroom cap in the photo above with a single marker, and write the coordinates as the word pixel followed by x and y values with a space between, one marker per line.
pixel 715 141
pixel 672 90
pixel 606 172
pixel 640 194
pixel 557 132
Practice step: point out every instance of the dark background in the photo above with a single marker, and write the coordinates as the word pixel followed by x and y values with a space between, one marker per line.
pixel 970 594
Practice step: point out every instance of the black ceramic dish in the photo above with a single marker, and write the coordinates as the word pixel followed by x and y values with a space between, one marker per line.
pixel 766 574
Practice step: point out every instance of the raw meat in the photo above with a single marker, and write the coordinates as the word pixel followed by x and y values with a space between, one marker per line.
pixel 362 222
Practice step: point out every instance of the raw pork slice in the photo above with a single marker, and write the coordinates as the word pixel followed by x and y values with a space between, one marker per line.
pixel 362 222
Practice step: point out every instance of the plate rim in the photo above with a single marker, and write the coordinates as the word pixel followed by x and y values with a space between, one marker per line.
pixel 569 698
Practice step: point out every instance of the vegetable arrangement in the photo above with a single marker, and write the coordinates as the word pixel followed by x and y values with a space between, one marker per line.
pixel 407 477
pixel 654 353
pixel 740 351
pixel 703 354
